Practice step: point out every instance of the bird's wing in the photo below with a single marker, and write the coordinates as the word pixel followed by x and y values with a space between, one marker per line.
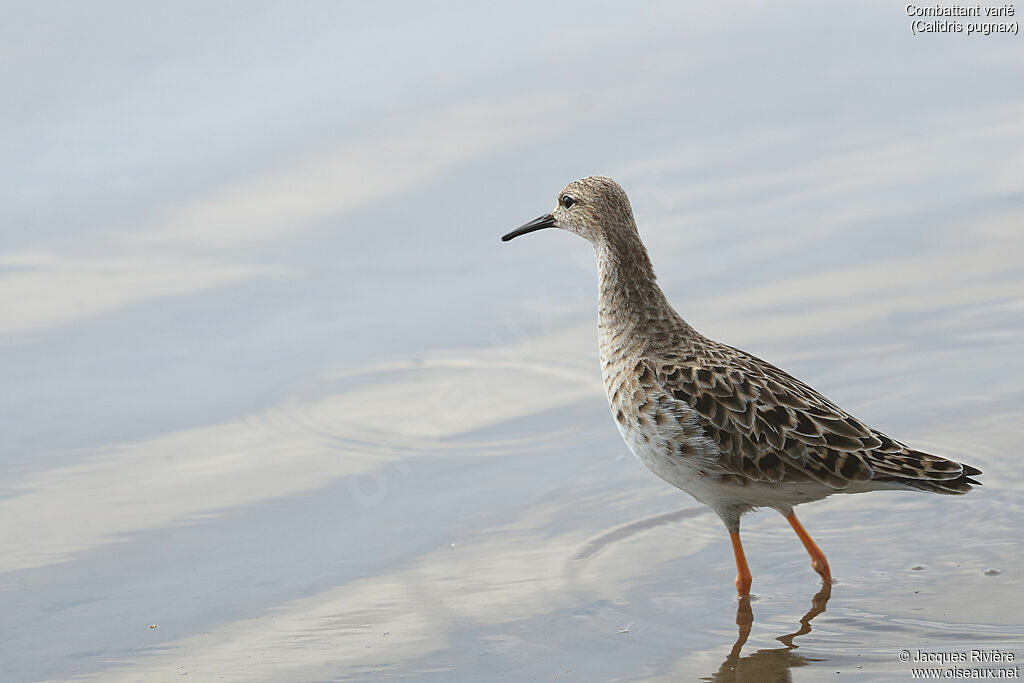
pixel 771 426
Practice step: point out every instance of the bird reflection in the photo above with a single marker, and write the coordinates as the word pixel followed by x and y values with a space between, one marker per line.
pixel 773 664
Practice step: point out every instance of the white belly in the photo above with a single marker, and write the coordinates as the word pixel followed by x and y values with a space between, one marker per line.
pixel 701 476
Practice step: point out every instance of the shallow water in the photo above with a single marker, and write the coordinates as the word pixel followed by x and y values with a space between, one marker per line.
pixel 280 406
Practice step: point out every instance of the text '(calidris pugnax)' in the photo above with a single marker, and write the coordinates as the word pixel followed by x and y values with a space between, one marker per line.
pixel 731 430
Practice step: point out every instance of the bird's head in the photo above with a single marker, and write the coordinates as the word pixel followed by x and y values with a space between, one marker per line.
pixel 595 208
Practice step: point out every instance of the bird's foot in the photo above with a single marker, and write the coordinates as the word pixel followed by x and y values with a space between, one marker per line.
pixel 820 565
pixel 743 582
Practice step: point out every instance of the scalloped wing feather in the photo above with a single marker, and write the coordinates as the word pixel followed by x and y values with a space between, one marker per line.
pixel 771 426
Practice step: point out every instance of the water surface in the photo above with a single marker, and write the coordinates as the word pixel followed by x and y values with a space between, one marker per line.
pixel 280 406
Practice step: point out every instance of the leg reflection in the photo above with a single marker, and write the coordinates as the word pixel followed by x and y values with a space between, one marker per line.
pixel 818 604
pixel 771 664
pixel 744 622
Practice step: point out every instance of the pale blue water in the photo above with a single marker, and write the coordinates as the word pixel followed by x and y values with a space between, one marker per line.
pixel 273 386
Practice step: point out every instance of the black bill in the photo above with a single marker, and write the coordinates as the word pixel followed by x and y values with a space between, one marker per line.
pixel 547 221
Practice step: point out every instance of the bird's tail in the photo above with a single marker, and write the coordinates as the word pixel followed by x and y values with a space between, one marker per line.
pixel 923 471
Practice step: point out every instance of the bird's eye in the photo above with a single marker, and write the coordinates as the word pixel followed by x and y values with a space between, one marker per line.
pixel 567 201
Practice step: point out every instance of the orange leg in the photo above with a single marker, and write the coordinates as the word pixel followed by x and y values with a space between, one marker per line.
pixel 743 578
pixel 818 561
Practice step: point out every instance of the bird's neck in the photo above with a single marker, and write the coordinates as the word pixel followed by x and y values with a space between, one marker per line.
pixel 633 314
